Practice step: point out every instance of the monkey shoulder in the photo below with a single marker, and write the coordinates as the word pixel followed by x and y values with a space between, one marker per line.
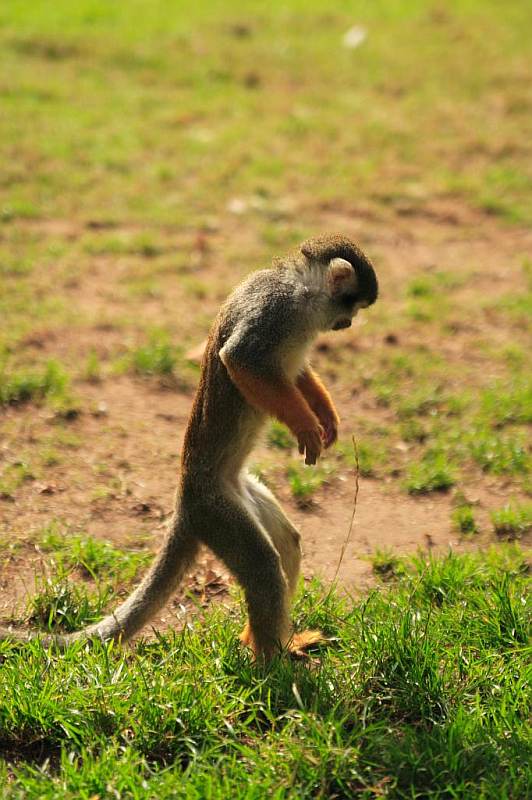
pixel 260 315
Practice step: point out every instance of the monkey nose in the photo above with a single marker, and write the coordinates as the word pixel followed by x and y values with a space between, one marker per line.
pixel 345 322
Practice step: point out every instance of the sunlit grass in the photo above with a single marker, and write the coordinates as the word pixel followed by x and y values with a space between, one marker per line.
pixel 433 473
pixel 422 687
pixel 512 521
pixel 91 556
pixel 20 386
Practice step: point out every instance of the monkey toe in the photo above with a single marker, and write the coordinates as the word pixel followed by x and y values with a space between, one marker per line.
pixel 245 637
pixel 296 647
pixel 301 641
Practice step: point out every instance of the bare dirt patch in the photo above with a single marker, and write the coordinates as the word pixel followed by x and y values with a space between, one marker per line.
pixel 117 477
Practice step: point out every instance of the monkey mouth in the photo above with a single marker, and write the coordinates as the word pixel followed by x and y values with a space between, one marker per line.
pixel 341 323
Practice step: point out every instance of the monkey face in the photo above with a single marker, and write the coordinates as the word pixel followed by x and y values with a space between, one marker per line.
pixel 342 322
pixel 347 314
pixel 342 277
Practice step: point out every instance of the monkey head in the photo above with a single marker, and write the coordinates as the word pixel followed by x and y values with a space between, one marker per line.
pixel 349 277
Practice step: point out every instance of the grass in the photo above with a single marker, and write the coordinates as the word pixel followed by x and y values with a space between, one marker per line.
pixel 386 565
pixel 60 604
pixel 370 457
pixel 13 476
pixel 93 368
pixel 445 430
pixel 279 436
pixel 432 473
pixel 504 407
pixel 512 521
pixel 413 430
pixel 130 237
pixel 23 386
pixel 92 557
pixel 463 518
pixel 305 482
pixel 422 692
pixel 158 357
pixel 500 454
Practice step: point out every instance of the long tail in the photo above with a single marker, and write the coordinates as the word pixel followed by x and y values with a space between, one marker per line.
pixel 175 557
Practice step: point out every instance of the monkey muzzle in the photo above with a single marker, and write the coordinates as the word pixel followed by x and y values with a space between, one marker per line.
pixel 345 322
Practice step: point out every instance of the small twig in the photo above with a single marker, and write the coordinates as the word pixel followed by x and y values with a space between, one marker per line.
pixel 351 523
pixel 353 513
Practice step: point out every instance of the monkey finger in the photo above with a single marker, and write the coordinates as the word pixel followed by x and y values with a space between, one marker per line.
pixel 314 449
pixel 310 443
pixel 331 435
pixel 310 458
pixel 328 428
pixel 303 442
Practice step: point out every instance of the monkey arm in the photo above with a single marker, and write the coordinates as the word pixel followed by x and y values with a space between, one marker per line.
pixel 281 399
pixel 320 402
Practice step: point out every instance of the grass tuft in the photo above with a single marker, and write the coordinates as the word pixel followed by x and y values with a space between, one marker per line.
pixel 13 476
pixel 304 482
pixel 432 474
pixel 512 522
pixel 61 604
pixel 20 387
pixel 370 457
pixel 503 407
pixel 92 371
pixel 499 454
pixel 463 518
pixel 279 436
pixel 387 565
pixel 93 557
pixel 159 357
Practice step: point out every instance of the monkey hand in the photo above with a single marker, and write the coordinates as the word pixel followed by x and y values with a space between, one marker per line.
pixel 329 422
pixel 310 443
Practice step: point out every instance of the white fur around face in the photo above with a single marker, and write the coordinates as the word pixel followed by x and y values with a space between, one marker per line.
pixel 315 285
pixel 323 284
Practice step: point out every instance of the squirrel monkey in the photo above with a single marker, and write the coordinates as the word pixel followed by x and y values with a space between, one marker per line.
pixel 254 366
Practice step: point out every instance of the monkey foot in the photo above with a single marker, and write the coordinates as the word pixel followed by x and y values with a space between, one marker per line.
pixel 299 642
pixel 295 647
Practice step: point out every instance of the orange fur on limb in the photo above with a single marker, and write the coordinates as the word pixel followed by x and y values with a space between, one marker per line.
pixel 320 402
pixel 283 400
pixel 296 645
pixel 277 397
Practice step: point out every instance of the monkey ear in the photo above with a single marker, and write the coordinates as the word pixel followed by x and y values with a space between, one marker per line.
pixel 342 275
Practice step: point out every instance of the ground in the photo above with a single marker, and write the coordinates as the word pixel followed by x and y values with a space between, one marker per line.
pixel 118 456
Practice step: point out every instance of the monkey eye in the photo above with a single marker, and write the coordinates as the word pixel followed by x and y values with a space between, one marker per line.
pixel 348 299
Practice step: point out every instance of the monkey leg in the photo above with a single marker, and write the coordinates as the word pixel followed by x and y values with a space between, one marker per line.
pixel 284 535
pixel 287 541
pixel 237 537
